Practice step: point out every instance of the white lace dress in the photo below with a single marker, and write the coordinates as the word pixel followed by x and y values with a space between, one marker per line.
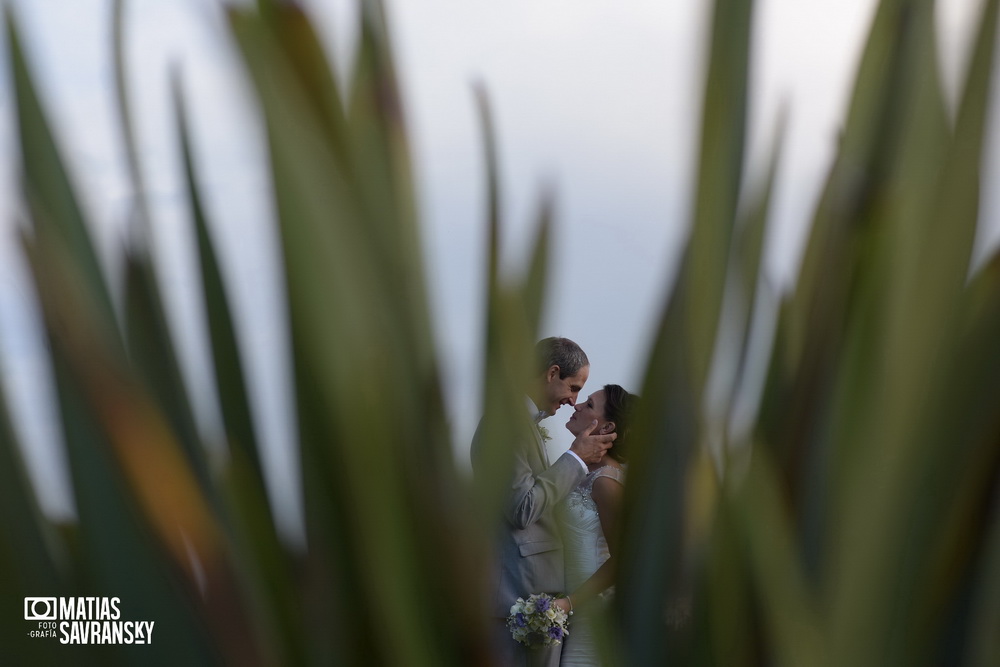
pixel 585 550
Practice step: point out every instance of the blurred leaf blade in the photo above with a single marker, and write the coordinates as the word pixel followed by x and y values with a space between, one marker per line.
pixel 327 524
pixel 670 416
pixel 859 529
pixel 719 175
pixel 258 547
pixel 125 115
pixel 507 341
pixel 537 273
pixel 345 349
pixel 152 353
pixel 654 549
pixel 984 643
pixel 916 285
pixel 790 605
pixel 48 191
pixel 118 549
pixel 33 561
pixel 230 376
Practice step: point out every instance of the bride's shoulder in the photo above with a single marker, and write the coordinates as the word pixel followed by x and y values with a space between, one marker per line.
pixel 608 489
pixel 610 472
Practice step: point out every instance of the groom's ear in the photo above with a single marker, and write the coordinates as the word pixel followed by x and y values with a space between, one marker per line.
pixel 552 373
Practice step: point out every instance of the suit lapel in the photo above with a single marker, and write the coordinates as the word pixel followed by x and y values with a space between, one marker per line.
pixel 536 433
pixel 543 455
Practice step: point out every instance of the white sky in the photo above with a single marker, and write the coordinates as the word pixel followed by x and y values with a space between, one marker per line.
pixel 596 96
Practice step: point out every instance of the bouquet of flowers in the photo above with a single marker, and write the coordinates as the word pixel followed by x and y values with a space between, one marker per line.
pixel 536 622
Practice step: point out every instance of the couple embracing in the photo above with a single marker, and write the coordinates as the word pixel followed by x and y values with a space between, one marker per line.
pixel 561 518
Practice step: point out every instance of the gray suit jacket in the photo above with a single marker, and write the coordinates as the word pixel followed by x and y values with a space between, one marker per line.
pixel 530 546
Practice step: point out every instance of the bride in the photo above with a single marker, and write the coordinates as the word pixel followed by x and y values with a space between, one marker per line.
pixel 590 516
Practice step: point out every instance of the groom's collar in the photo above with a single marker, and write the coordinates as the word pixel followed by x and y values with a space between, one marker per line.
pixel 536 414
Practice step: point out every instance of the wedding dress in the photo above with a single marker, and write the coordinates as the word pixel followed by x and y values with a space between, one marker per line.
pixel 585 550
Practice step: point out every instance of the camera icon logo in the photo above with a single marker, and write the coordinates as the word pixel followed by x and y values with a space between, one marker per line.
pixel 40 609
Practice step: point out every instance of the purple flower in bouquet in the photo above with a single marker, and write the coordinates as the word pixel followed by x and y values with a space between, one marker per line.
pixel 536 622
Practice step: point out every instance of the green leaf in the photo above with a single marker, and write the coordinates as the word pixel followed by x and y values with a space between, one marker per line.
pixel 125 117
pixel 265 568
pixel 50 196
pixel 789 605
pixel 121 553
pixel 719 179
pixel 654 545
pixel 537 274
pixel 670 414
pixel 151 352
pixel 33 559
pixel 355 352
pixel 914 276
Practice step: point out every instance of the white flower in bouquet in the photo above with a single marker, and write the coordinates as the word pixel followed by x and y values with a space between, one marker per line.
pixel 536 622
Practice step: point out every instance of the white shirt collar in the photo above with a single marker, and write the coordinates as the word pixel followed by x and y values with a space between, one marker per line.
pixel 536 414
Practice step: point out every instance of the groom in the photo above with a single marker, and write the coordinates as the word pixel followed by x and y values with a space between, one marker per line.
pixel 530 549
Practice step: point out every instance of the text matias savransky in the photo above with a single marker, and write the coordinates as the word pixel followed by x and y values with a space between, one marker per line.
pixel 85 620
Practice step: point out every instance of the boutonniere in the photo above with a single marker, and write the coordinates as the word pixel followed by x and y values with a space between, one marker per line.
pixel 544 432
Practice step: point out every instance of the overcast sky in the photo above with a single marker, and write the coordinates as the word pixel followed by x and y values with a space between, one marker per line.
pixel 597 97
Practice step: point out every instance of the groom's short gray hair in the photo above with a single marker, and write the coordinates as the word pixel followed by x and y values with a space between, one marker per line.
pixel 561 352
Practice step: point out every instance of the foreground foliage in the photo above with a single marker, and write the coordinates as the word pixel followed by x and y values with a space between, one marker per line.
pixel 855 523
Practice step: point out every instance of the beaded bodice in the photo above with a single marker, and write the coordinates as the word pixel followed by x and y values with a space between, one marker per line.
pixel 583 540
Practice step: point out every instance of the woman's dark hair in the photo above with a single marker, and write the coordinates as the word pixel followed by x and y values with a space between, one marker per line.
pixel 619 407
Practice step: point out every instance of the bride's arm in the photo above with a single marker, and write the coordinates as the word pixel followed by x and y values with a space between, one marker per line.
pixel 607 494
